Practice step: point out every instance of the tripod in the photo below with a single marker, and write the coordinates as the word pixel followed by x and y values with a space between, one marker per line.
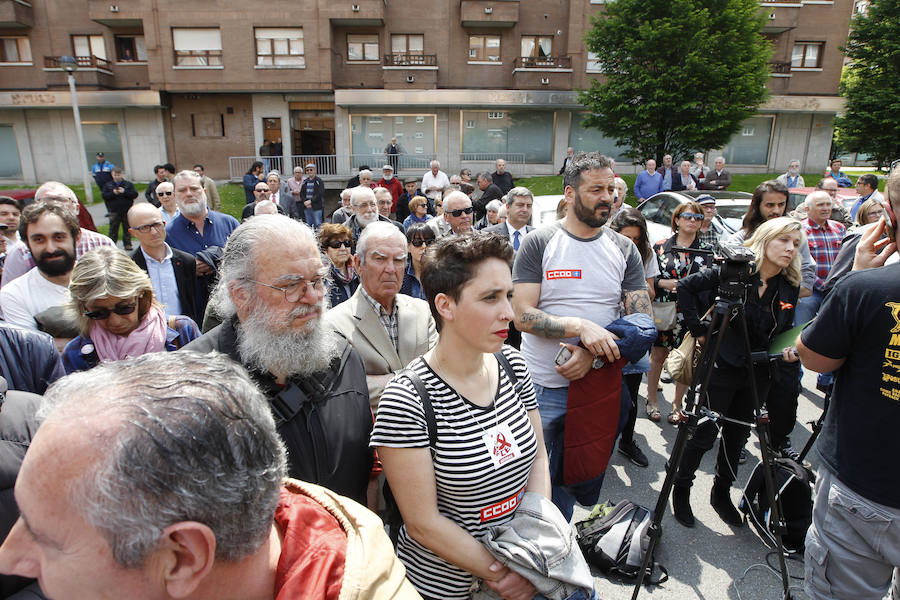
pixel 727 303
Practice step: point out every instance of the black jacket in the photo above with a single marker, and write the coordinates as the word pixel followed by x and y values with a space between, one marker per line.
pixel 119 203
pixel 317 198
pixel 767 316
pixel 185 267
pixel 28 359
pixel 491 192
pixel 328 438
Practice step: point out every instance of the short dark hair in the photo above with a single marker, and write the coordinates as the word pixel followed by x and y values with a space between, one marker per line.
pixel 753 218
pixel 420 230
pixel 451 263
pixel 202 168
pixel 869 180
pixel 156 168
pixel 36 210
pixel 586 161
pixel 9 200
pixel 170 168
pixel 118 170
pixel 257 164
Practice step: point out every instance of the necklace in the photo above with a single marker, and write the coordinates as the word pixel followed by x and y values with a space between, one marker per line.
pixel 465 403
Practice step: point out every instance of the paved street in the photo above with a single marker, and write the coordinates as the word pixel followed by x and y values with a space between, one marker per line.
pixel 712 561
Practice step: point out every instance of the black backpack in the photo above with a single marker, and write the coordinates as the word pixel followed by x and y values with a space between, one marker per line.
pixel 615 539
pixel 793 483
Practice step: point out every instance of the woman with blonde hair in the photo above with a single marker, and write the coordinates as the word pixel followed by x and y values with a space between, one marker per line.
pixel 869 212
pixel 117 314
pixel 769 301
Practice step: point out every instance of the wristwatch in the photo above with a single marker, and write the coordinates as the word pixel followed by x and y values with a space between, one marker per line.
pixel 597 363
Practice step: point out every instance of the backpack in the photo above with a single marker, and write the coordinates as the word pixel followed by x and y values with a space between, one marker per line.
pixel 615 539
pixel 794 496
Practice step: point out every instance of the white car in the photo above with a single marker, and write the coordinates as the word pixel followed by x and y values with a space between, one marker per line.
pixel 543 209
pixel 658 209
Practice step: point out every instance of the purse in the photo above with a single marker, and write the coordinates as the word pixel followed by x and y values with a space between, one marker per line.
pixel 665 315
pixel 682 360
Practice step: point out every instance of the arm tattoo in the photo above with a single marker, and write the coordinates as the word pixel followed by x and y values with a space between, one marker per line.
pixel 637 302
pixel 542 324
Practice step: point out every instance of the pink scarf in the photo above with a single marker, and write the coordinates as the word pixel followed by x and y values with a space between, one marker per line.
pixel 149 336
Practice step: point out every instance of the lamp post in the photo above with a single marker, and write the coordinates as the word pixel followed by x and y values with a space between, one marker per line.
pixel 69 64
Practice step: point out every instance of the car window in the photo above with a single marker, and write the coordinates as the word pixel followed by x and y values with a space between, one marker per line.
pixel 650 208
pixel 795 199
pixel 664 216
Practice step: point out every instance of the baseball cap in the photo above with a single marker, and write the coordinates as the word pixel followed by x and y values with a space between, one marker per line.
pixel 387 168
pixel 705 199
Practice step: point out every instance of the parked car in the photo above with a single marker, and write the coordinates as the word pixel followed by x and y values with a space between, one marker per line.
pixel 658 209
pixel 543 209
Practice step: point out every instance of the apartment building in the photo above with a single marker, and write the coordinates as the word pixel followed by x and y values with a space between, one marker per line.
pixel 333 81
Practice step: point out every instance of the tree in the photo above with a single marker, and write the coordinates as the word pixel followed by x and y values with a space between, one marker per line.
pixel 680 75
pixel 871 84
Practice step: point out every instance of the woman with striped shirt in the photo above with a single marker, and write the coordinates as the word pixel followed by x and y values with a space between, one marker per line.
pixel 489 448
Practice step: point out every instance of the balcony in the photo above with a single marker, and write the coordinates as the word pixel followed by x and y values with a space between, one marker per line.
pixel 542 72
pixel 543 62
pixel 93 72
pixel 783 17
pixel 353 13
pixel 780 69
pixel 410 60
pixel 489 13
pixel 417 71
pixel 16 14
pixel 116 13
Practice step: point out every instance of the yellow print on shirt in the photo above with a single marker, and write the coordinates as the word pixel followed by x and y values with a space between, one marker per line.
pixel 895 312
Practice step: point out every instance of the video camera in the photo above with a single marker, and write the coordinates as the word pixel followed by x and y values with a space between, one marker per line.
pixel 736 266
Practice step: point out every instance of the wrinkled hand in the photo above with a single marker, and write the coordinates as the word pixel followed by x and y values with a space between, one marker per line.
pixel 511 585
pixel 872 251
pixel 599 341
pixel 203 268
pixel 578 364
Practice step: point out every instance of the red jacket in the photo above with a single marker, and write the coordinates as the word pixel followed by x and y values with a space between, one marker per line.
pixel 395 187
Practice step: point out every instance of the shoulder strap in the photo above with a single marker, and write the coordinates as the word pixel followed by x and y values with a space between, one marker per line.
pixel 510 373
pixel 289 401
pixel 430 420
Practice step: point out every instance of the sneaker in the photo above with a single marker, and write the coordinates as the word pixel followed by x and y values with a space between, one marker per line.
pixel 787 451
pixel 665 377
pixel 743 457
pixel 634 454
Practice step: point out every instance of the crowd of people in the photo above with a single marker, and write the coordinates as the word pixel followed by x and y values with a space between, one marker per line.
pixel 229 405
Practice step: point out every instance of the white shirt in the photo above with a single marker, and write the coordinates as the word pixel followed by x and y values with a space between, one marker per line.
pixel 512 232
pixel 29 295
pixel 162 278
pixel 440 180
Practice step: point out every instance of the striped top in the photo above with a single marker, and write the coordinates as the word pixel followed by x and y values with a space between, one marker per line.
pixel 471 491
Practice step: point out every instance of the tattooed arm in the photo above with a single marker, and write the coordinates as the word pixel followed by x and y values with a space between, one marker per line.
pixel 637 301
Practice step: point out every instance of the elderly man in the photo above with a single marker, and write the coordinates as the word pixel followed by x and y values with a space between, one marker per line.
pixel 365 209
pixel 792 178
pixel 172 272
pixel 489 191
pixel 118 195
pixel 266 207
pixel 410 190
pixel 312 197
pixel 824 238
pixel 389 182
pixel 263 193
pixel 457 213
pixel 209 186
pixel 271 295
pixel 345 211
pixel 718 177
pixel 502 178
pixel 648 182
pixel 708 234
pixel 684 179
pixel 669 172
pixel 168 206
pixel 434 182
pixel 163 477
pixel 570 154
pixel 384 201
pixel 19 259
pixel 387 328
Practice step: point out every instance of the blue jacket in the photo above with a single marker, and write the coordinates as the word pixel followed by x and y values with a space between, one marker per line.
pixel 185 330
pixel 28 359
pixel 636 332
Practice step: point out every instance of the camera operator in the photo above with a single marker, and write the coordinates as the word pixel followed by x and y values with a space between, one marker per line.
pixel 853 545
pixel 770 295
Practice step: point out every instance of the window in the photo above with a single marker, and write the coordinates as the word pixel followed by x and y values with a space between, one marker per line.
pixel 362 47
pixel 526 133
pixel 750 146
pixel 484 48
pixel 89 45
pixel 593 63
pixel 588 139
pixel 15 50
pixel 197 47
pixel 103 136
pixel 537 46
pixel 131 48
pixel 405 43
pixel 10 165
pixel 807 55
pixel 370 133
pixel 276 46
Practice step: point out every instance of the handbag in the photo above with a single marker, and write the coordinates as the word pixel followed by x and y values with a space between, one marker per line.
pixel 681 361
pixel 665 315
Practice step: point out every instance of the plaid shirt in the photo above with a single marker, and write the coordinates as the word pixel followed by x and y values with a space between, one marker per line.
pixel 388 319
pixel 710 238
pixel 824 244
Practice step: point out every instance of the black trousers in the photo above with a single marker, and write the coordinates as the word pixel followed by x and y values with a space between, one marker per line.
pixel 116 219
pixel 729 395
pixel 782 401
pixel 633 382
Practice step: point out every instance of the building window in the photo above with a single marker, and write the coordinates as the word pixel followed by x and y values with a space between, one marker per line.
pixel 15 50
pixel 361 47
pixel 406 43
pixel 750 146
pixel 89 45
pixel 484 48
pixel 131 48
pixel 589 139
pixel 516 135
pixel 537 46
pixel 807 55
pixel 594 65
pixel 370 133
pixel 10 165
pixel 197 47
pixel 208 125
pixel 277 46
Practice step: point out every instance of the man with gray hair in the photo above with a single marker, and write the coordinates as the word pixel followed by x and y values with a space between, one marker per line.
pixel 365 211
pixel 163 477
pixel 457 215
pixel 435 182
pixel 19 259
pixel 387 328
pixel 271 297
pixel 492 211
pixel 489 191
pixel 345 211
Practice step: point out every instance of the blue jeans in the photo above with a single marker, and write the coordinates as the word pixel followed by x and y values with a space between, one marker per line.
pixel 312 217
pixel 552 404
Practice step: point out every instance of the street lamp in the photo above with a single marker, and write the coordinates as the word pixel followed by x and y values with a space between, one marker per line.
pixel 69 64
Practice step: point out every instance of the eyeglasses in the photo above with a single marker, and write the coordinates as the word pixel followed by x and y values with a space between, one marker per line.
pixel 418 242
pixel 294 291
pixel 261 191
pixel 366 205
pixel 461 211
pixel 335 244
pixel 103 313
pixel 691 216
pixel 165 193
pixel 146 228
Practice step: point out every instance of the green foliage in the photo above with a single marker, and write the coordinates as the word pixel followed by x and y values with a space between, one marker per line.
pixel 680 75
pixel 871 84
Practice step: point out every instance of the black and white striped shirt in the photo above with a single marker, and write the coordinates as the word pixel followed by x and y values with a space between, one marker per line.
pixel 471 491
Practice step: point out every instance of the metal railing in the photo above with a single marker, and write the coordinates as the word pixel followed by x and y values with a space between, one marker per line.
pixel 84 62
pixel 326 164
pixel 410 60
pixel 400 162
pixel 781 68
pixel 512 158
pixel 543 62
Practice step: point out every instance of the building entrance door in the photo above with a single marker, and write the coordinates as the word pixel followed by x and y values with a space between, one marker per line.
pixel 312 139
pixel 272 134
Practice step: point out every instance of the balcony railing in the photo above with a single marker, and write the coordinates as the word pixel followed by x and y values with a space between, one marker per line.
pixel 543 62
pixel 780 68
pixel 84 62
pixel 410 60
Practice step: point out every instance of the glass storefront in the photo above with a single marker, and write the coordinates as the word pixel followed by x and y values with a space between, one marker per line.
pixel 507 133
pixel 750 145
pixel 584 139
pixel 10 165
pixel 371 134
pixel 105 138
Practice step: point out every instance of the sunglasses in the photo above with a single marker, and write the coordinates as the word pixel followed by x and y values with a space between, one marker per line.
pixel 103 313
pixel 261 190
pixel 691 216
pixel 418 242
pixel 165 193
pixel 461 211
pixel 335 244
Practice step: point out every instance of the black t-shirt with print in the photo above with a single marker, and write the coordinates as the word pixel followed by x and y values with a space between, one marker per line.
pixel 860 442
